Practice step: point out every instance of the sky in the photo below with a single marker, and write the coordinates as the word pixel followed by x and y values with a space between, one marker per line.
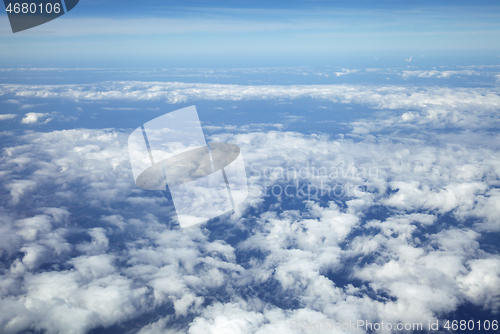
pixel 155 34
pixel 369 136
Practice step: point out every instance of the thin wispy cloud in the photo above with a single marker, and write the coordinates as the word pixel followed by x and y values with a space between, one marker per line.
pixel 4 117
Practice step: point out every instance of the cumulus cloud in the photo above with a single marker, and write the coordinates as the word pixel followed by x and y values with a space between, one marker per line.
pixel 303 258
pixel 372 226
pixel 36 117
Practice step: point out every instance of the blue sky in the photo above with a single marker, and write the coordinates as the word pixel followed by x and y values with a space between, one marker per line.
pixel 259 33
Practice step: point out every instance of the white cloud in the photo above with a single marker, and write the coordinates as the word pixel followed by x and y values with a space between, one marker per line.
pixel 35 117
pixel 85 248
pixel 430 106
pixel 4 117
pixel 18 188
pixel 481 282
pixel 99 242
pixel 438 74
pixel 344 72
pixel 226 319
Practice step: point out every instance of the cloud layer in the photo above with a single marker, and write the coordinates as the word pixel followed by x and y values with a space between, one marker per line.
pixel 83 248
pixel 408 107
pixel 396 221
